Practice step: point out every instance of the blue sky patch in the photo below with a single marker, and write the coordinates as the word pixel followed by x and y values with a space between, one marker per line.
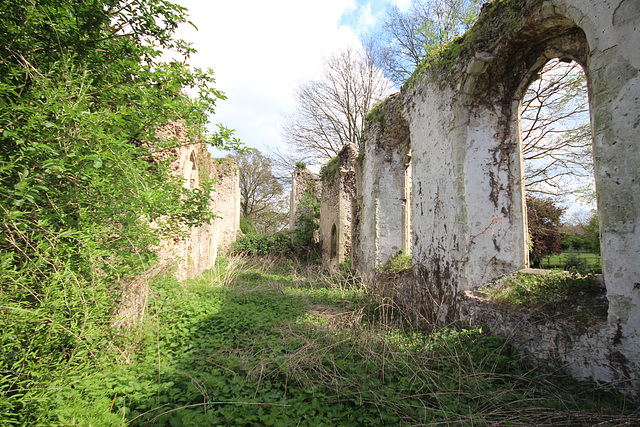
pixel 364 16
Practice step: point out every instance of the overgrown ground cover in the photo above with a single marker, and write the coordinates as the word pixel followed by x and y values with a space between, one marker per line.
pixel 261 343
pixel 561 295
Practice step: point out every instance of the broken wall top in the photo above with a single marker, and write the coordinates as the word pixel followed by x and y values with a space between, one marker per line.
pixel 340 164
pixel 506 42
pixel 303 178
pixel 386 126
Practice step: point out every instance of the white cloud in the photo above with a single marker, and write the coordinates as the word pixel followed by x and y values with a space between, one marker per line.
pixel 402 4
pixel 259 52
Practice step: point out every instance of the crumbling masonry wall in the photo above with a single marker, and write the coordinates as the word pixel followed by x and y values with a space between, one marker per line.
pixel 198 251
pixel 225 202
pixel 303 183
pixel 385 217
pixel 469 223
pixel 195 252
pixel 338 191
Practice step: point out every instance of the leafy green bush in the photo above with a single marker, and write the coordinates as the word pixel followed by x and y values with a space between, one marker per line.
pixel 246 226
pixel 262 244
pixel 574 262
pixel 83 95
pixel 301 165
pixel 304 235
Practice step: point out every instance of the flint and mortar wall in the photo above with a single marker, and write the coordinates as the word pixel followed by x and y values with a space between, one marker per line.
pixel 338 191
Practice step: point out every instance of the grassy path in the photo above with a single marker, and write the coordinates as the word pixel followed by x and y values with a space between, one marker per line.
pixel 251 344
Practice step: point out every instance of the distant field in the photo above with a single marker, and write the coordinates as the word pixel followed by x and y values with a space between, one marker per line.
pixel 558 261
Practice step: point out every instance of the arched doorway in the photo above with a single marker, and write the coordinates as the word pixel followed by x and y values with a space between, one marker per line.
pixel 556 144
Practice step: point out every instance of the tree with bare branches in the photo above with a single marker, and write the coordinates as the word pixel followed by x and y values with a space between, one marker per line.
pixel 262 201
pixel 556 132
pixel 331 110
pixel 408 37
pixel 554 114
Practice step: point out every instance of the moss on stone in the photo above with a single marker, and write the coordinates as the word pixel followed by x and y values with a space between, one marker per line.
pixel 498 19
pixel 377 114
pixel 330 168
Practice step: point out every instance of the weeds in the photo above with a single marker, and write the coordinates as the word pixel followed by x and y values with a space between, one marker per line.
pixel 398 264
pixel 273 342
pixel 564 295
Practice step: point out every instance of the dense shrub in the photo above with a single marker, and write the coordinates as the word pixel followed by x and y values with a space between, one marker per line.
pixel 262 244
pixel 83 93
pixel 574 262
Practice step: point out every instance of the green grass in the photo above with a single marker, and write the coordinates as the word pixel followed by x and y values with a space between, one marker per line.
pixel 592 261
pixel 259 343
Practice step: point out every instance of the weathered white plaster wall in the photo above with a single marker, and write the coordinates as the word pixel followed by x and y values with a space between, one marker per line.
pixel 469 224
pixel 613 32
pixel 385 210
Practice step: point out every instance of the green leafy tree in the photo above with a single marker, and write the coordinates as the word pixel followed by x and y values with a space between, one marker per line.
pixel 584 233
pixel 592 233
pixel 82 95
pixel 573 241
pixel 261 194
pixel 543 217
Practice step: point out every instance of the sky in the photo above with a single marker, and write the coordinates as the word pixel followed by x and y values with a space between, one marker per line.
pixel 260 51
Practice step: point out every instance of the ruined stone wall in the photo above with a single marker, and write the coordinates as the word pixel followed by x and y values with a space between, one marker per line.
pixel 469 223
pixel 198 251
pixel 338 190
pixel 585 350
pixel 303 181
pixel 225 202
pixel 385 208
